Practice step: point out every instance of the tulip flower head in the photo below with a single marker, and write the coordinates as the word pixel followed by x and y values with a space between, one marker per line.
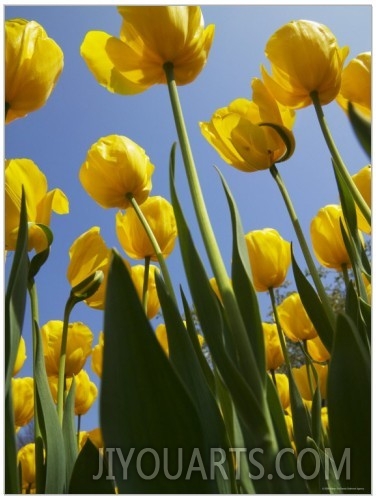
pixel 317 350
pixel 273 350
pixel 97 356
pixel 161 334
pixel 294 319
pixel 79 341
pixel 115 167
pixel 33 64
pixel 133 237
pixel 305 58
pixel 150 37
pixel 270 258
pixel 327 241
pixel 85 395
pixel 40 203
pixel 363 181
pixel 153 305
pixel 23 400
pixel 26 459
pixel 301 378
pixel 252 135
pixel 282 384
pixel 21 356
pixel 87 255
pixel 356 85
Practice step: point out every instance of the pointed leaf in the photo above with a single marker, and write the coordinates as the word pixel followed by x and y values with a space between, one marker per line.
pixel 90 473
pixel 55 464
pixel 313 306
pixel 15 298
pixel 243 287
pixel 349 405
pixel 183 358
pixel 69 431
pixel 362 128
pixel 144 404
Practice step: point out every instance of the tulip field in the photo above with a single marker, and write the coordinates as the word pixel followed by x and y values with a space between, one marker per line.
pixel 211 400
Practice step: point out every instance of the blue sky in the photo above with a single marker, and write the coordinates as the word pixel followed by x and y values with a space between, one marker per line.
pixel 80 111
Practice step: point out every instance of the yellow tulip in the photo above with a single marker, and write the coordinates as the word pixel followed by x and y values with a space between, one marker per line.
pixel 363 181
pixel 153 304
pixel 88 254
pixel 304 58
pixel 85 391
pixel 317 350
pixel 39 202
pixel 23 400
pixel 26 459
pixel 33 63
pixel 132 235
pixel 301 378
pixel 79 341
pixel 273 350
pixel 327 240
pixel 356 85
pixel 325 419
pixel 294 320
pixel 283 391
pixel 114 167
pixel 149 38
pixel 238 136
pixel 161 334
pixel 97 356
pixel 270 258
pixel 95 436
pixel 21 356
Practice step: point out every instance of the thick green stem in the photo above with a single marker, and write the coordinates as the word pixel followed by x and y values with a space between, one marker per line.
pixel 303 245
pixel 145 285
pixel 154 243
pixel 61 381
pixel 337 159
pixel 37 432
pixel 279 330
pixel 231 309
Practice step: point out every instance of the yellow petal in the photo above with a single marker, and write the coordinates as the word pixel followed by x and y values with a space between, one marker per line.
pixel 106 57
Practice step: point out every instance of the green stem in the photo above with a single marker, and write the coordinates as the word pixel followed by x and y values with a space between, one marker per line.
pixel 337 160
pixel 303 245
pixel 279 330
pixel 308 367
pixel 231 309
pixel 64 337
pixel 272 373
pixel 345 273
pixel 78 430
pixel 37 431
pixel 146 284
pixel 155 244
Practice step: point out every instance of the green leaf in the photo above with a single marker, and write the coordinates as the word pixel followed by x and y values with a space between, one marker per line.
pixel 313 306
pixel 55 462
pixel 243 287
pixel 39 259
pixel 69 431
pixel 213 327
pixel 361 127
pixel 191 329
pixel 144 404
pixel 288 464
pixel 349 405
pixel 183 358
pixel 90 464
pixel 12 483
pixel 15 298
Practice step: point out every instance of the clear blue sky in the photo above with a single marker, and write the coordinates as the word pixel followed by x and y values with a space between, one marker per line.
pixel 80 111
